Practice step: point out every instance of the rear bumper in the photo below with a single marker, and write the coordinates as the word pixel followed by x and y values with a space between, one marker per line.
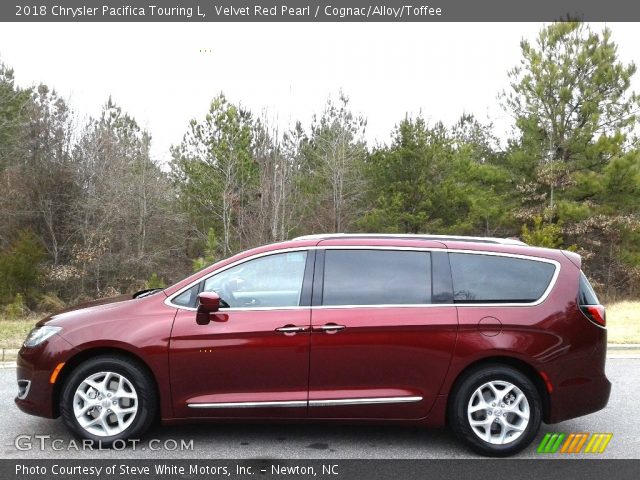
pixel 580 398
pixel 580 385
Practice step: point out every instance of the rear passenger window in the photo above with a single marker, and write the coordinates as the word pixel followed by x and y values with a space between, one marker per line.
pixel 376 277
pixel 496 279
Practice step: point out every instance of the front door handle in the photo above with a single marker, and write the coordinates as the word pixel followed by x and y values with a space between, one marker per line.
pixel 292 329
pixel 329 328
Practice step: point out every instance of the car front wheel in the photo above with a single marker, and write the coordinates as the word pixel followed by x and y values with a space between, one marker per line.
pixel 108 398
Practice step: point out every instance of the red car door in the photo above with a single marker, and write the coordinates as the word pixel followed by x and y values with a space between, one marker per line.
pixel 380 346
pixel 252 359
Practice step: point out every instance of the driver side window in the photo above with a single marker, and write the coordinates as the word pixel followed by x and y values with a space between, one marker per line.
pixel 271 281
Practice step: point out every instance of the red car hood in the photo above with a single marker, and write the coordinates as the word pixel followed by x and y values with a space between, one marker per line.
pixel 87 308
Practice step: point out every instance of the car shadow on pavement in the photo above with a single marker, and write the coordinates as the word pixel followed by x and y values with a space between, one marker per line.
pixel 315 440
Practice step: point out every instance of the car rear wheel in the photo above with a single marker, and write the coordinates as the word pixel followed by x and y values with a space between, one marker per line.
pixel 108 398
pixel 496 411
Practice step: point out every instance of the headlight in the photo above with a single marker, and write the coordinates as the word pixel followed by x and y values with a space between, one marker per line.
pixel 39 335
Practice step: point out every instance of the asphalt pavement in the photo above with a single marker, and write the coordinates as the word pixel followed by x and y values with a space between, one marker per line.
pixel 313 441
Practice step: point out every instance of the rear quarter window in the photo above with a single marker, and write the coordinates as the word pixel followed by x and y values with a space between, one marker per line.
pixel 481 278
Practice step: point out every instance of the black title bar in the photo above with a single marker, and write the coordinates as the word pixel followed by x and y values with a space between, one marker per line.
pixel 316 11
pixel 329 469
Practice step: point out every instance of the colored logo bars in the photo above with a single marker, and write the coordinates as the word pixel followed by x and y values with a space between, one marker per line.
pixel 574 443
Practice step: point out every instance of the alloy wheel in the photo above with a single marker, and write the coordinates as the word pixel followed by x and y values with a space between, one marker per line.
pixel 105 404
pixel 498 412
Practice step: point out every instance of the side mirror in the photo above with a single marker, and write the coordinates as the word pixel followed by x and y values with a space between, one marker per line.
pixel 208 302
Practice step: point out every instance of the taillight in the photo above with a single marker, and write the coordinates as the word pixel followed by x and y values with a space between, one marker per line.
pixel 595 313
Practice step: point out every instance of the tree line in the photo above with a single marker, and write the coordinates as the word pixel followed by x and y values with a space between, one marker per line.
pixel 87 212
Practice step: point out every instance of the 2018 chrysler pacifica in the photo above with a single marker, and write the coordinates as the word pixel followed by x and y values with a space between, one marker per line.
pixel 488 336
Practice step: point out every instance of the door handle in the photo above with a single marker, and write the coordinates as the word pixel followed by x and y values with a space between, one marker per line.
pixel 329 328
pixel 291 329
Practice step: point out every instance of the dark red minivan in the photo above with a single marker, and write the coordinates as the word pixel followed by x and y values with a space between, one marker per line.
pixel 488 336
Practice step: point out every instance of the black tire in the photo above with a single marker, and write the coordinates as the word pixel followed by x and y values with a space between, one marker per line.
pixel 465 388
pixel 139 378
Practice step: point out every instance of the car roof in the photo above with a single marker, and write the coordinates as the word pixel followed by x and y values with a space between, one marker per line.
pixel 407 236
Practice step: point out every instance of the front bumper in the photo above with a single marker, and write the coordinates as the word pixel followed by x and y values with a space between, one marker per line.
pixel 34 369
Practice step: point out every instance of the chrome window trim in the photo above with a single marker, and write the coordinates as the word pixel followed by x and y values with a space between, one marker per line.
pixel 311 403
pixel 544 296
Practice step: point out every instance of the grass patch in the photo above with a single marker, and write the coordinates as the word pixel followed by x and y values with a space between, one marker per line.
pixel 623 322
pixel 13 332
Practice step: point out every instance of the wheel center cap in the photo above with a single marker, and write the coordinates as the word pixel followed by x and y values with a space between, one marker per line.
pixel 498 412
pixel 106 403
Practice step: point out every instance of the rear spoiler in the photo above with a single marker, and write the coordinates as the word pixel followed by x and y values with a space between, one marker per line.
pixel 573 257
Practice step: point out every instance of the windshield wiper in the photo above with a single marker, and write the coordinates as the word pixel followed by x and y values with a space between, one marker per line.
pixel 146 293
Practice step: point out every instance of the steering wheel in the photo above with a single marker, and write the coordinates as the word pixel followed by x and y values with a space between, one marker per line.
pixel 226 293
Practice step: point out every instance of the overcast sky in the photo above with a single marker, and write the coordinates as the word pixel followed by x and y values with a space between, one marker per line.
pixel 157 72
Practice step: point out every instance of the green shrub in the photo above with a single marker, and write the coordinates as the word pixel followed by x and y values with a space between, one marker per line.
pixel 543 235
pixel 210 252
pixel 50 303
pixel 17 308
pixel 20 268
pixel 154 282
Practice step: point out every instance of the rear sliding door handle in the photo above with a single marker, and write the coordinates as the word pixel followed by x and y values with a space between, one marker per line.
pixel 329 328
pixel 291 329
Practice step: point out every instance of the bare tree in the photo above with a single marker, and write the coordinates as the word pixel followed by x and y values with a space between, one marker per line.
pixel 337 151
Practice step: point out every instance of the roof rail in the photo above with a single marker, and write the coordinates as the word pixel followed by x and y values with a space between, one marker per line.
pixel 411 236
